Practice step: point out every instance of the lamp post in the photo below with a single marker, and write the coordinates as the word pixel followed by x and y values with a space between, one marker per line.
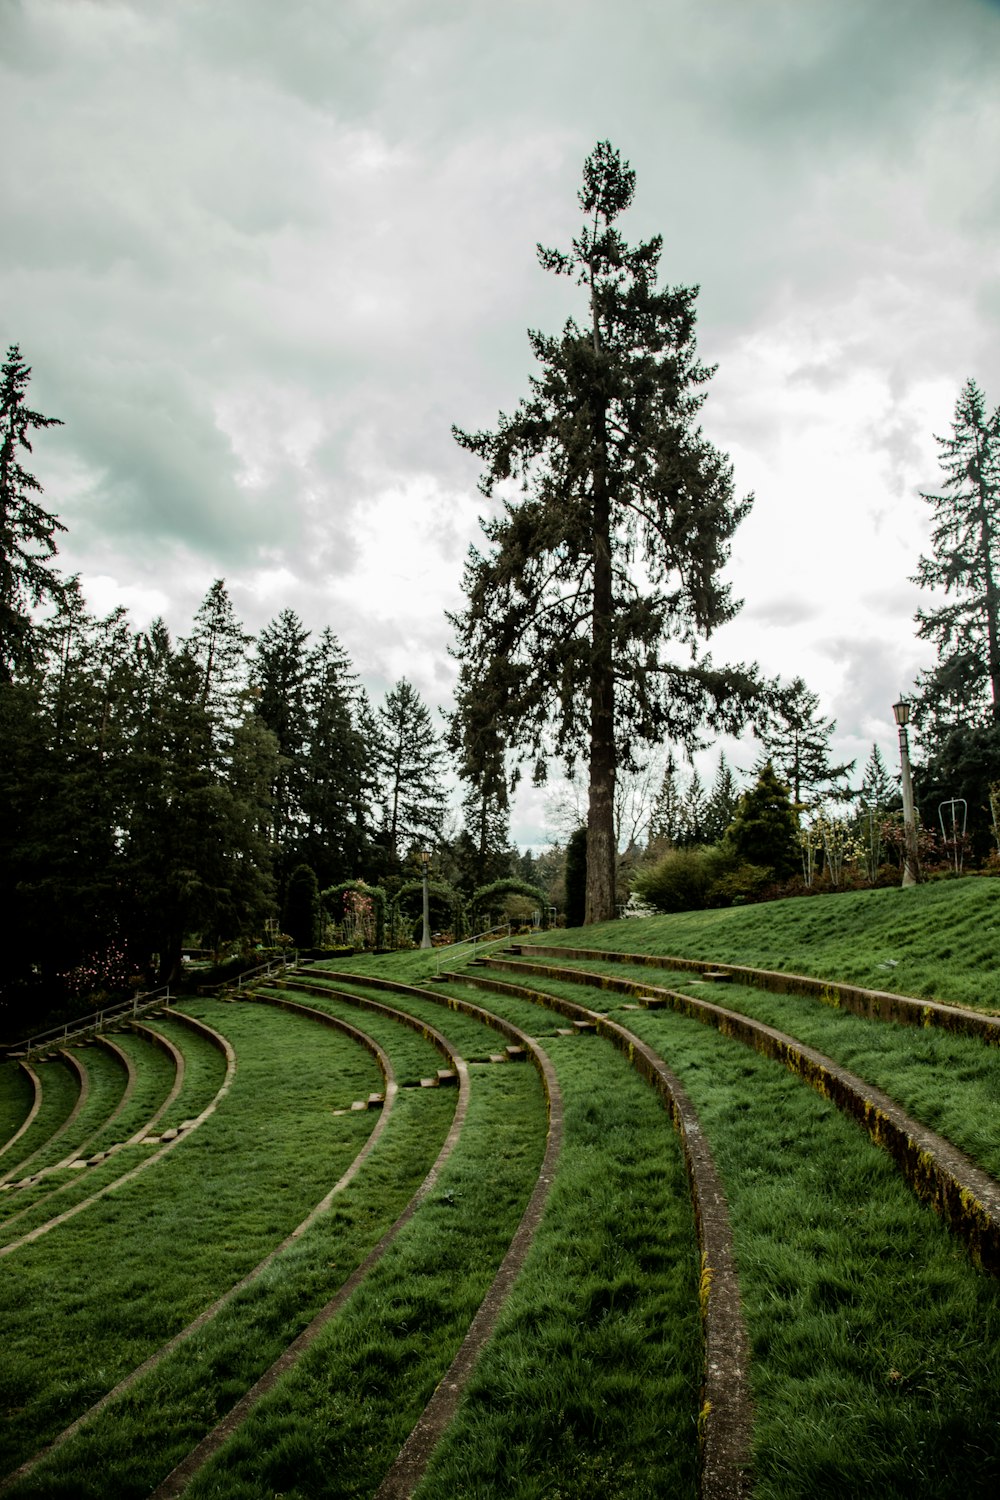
pixel 911 868
pixel 425 860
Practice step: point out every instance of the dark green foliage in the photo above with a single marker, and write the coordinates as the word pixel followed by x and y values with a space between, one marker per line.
pixel 694 813
pixel 409 761
pixel 338 776
pixel 720 808
pixel 615 546
pixel 279 674
pixel 963 689
pixel 218 643
pixel 666 824
pixel 27 531
pixel 964 764
pixel 878 789
pixel 482 851
pixel 682 880
pixel 765 830
pixel 797 743
pixel 302 909
pixel 576 877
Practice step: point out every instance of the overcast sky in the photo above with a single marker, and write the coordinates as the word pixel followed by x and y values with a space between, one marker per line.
pixel 261 256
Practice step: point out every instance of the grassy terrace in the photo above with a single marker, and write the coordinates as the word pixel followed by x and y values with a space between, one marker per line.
pixel 16 1099
pixel 935 942
pixel 875 1340
pixel 60 1094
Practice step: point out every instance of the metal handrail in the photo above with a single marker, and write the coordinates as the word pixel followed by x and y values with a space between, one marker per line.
pixel 96 1021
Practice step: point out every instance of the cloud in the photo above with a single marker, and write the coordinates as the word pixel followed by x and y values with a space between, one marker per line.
pixel 262 257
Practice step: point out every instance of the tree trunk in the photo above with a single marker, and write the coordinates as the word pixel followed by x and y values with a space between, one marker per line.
pixel 600 902
pixel 992 632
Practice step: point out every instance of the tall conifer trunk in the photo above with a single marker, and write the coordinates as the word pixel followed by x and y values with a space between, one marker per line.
pixel 600 900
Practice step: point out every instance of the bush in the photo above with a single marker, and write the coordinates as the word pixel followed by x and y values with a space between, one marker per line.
pixel 683 880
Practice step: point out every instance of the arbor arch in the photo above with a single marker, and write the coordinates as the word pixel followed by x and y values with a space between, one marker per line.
pixel 408 902
pixel 487 897
pixel 334 903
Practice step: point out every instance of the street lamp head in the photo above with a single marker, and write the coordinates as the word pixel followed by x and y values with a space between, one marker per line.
pixel 425 855
pixel 901 710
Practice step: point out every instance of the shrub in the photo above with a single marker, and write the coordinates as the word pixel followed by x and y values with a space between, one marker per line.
pixel 683 880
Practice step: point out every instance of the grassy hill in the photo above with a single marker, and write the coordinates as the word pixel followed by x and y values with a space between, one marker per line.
pixel 163 1295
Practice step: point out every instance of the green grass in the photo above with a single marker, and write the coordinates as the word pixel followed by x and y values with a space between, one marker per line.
pixel 936 941
pixel 590 1385
pixel 130 1446
pixel 60 1092
pixel 16 1098
pixel 337 1420
pixel 950 1083
pixel 91 1300
pixel 876 1344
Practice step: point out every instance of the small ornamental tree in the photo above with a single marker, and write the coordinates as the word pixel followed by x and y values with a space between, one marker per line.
pixel 765 830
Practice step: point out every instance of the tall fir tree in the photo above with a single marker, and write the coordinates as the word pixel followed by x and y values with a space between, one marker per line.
pixel 410 761
pixel 27 530
pixel 666 824
pixel 964 687
pixel 720 809
pixel 219 644
pixel 878 790
pixel 279 675
pixel 615 548
pixel 796 740
pixel 694 811
pixel 338 775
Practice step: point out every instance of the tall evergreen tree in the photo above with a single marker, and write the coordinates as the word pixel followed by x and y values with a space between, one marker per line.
pixel 964 687
pixel 796 741
pixel 410 761
pixel 219 644
pixel 279 678
pixel 694 812
pixel 338 775
pixel 878 790
pixel 667 822
pixel 483 850
pixel 720 809
pixel 27 530
pixel 616 545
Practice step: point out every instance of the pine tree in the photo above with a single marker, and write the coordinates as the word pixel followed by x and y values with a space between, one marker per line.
pixel 338 778
pixel 765 829
pixel 483 850
pixel 797 743
pixel 617 542
pixel 410 763
pixel 694 809
pixel 27 531
pixel 666 825
pixel 878 790
pixel 279 678
pixel 722 802
pixel 964 687
pixel 219 644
